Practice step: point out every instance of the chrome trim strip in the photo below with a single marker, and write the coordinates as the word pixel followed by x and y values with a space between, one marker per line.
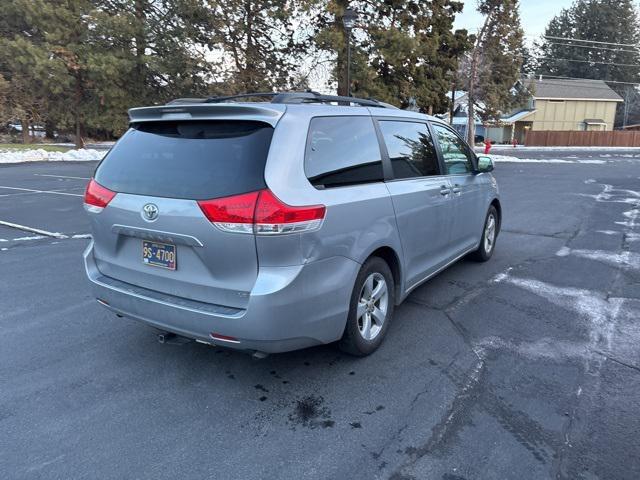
pixel 155 300
pixel 431 275
pixel 216 339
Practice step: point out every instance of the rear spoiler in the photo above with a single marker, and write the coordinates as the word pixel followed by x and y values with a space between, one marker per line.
pixel 269 113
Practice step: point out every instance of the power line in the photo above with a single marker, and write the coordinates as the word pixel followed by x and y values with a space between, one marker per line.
pixel 588 61
pixel 591 47
pixel 635 45
pixel 585 81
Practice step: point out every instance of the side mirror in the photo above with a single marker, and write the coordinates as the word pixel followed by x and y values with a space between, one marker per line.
pixel 485 165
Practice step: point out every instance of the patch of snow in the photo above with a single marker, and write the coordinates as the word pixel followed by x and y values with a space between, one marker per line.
pixel 591 180
pixel 82 235
pixel 626 258
pixel 608 232
pixel 632 216
pixel 41 155
pixel 601 312
pixel 500 277
pixel 545 348
pixel 510 159
pixel 522 147
pixel 614 195
pixel 632 237
pixel 25 239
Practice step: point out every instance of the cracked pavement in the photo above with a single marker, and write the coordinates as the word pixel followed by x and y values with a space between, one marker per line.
pixel 525 367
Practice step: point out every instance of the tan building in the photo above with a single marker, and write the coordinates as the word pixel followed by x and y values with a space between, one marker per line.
pixel 557 104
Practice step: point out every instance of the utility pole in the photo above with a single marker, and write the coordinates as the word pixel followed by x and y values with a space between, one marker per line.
pixel 627 101
pixel 452 108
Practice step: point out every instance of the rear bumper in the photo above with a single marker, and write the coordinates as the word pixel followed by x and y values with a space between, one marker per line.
pixel 289 308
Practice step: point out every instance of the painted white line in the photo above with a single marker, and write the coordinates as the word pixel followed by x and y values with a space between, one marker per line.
pixel 42 191
pixel 18 194
pixel 33 230
pixel 61 176
pixel 22 239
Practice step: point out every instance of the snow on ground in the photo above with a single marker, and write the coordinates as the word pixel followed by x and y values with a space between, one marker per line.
pixel 522 147
pixel 510 159
pixel 40 155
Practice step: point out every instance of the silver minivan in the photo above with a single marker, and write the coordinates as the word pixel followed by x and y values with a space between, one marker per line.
pixel 270 226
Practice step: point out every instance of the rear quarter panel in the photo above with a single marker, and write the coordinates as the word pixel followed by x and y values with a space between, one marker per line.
pixel 359 219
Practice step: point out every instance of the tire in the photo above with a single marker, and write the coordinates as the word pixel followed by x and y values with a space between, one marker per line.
pixel 489 236
pixel 369 318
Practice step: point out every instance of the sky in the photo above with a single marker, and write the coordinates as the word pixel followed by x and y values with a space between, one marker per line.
pixel 535 15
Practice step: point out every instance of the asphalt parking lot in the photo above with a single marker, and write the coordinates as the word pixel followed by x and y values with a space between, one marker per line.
pixel 525 367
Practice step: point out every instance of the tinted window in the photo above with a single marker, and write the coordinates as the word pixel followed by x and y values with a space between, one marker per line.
pixel 455 152
pixel 192 160
pixel 342 151
pixel 410 148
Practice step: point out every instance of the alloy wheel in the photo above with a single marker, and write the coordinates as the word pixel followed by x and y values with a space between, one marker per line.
pixel 373 304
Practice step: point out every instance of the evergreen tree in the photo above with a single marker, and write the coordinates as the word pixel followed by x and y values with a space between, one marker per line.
pixel 257 44
pixel 22 67
pixel 609 21
pixel 495 62
pixel 564 53
pixel 403 50
pixel 84 62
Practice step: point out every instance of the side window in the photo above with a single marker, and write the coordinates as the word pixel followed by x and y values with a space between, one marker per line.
pixel 456 153
pixel 410 148
pixel 342 151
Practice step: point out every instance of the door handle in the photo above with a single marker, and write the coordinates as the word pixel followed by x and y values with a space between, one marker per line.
pixel 444 191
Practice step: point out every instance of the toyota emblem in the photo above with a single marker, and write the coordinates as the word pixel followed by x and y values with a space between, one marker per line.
pixel 150 212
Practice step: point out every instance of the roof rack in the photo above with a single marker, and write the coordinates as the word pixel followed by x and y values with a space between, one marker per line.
pixel 288 98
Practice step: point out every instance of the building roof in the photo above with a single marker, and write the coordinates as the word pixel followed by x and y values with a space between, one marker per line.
pixel 516 117
pixel 563 89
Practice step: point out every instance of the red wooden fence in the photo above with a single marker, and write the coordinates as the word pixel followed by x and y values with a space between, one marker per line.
pixel 550 138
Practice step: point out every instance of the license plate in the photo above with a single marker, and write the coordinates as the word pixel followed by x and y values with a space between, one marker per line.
pixel 159 254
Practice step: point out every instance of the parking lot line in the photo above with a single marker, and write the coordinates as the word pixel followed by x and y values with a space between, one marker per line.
pixel 60 176
pixel 16 194
pixel 33 230
pixel 52 192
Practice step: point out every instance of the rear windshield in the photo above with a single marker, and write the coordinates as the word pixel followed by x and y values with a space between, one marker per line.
pixel 191 160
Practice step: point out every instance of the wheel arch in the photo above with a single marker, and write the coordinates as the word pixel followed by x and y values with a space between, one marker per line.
pixel 391 257
pixel 496 203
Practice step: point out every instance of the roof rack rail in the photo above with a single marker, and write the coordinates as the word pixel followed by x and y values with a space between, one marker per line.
pixel 308 96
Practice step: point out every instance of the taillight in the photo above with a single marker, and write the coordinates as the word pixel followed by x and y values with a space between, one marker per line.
pixel 231 214
pixel 261 213
pixel 274 217
pixel 96 197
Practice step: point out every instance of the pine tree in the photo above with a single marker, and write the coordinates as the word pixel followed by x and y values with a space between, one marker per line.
pixel 79 65
pixel 257 44
pixel 495 62
pixel 402 51
pixel 613 22
pixel 564 52
pixel 22 66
